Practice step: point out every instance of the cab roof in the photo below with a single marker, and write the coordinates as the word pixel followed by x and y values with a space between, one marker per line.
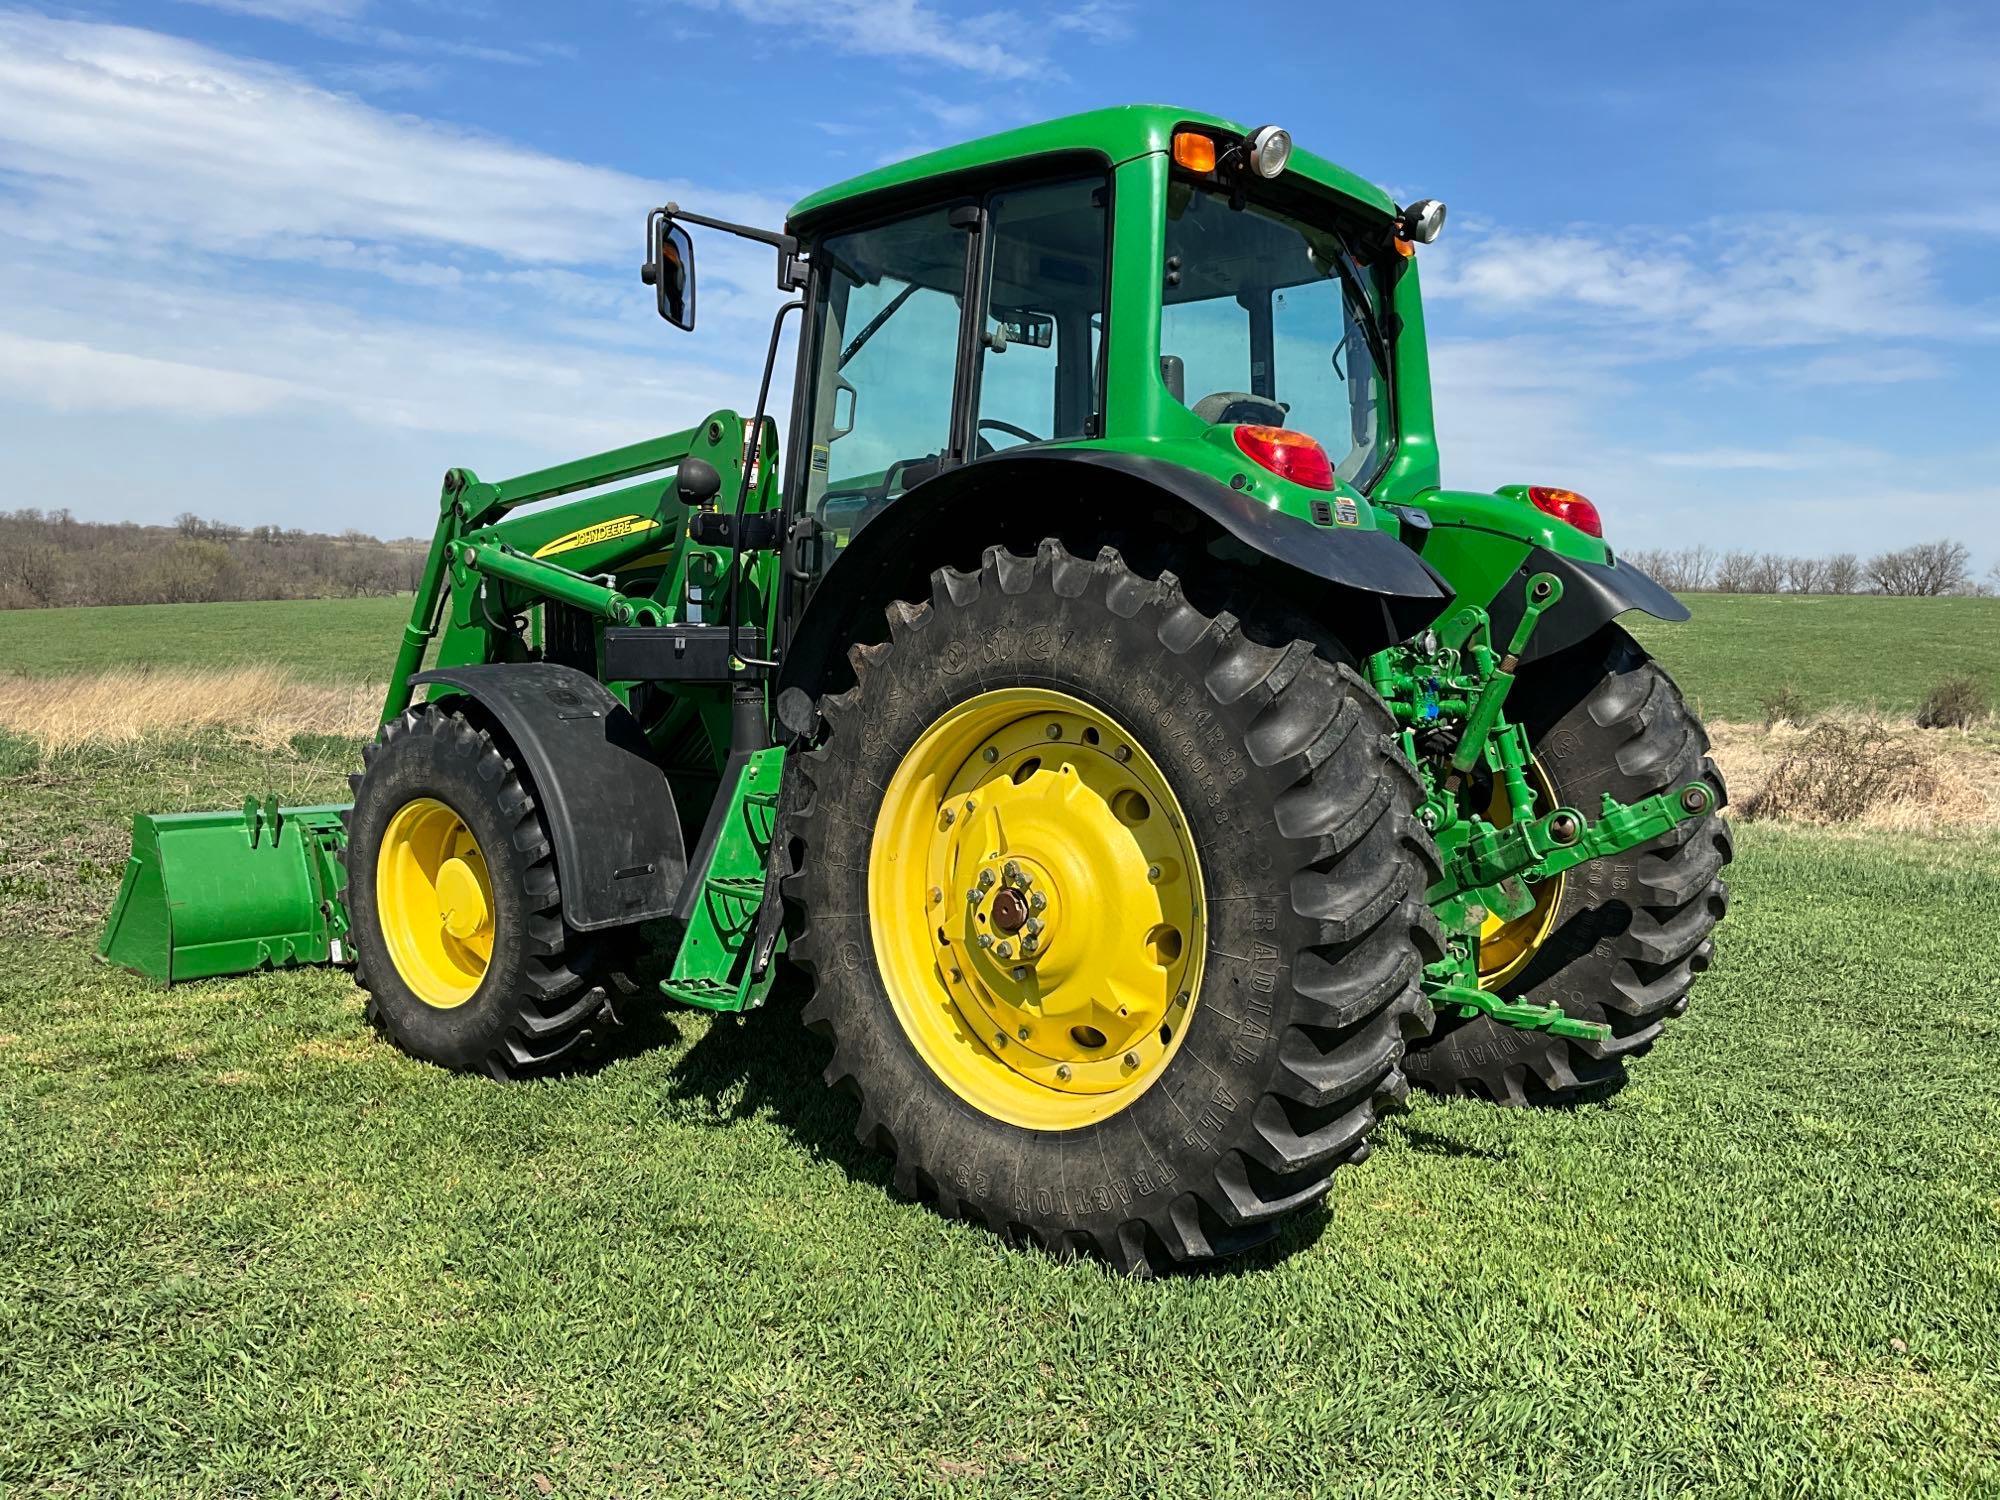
pixel 1119 134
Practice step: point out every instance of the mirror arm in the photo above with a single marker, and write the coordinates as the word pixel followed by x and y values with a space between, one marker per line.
pixel 791 260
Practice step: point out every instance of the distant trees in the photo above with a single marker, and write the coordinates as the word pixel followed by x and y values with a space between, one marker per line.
pixel 1928 568
pixel 49 558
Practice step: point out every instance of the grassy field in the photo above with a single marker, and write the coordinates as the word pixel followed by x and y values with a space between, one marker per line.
pixel 325 639
pixel 1849 652
pixel 252 1249
pixel 1859 652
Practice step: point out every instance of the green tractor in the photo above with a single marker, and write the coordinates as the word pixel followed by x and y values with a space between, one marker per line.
pixel 1150 767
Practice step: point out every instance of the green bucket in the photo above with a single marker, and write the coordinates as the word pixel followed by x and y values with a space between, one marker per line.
pixel 229 892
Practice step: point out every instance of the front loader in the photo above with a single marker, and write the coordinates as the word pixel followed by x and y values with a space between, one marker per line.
pixel 1149 765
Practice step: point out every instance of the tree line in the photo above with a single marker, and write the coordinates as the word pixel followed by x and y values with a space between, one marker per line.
pixel 1928 568
pixel 51 558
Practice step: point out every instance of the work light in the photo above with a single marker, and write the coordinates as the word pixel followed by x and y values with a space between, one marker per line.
pixel 1422 220
pixel 1270 149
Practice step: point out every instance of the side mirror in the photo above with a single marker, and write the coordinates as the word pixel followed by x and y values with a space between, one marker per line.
pixel 669 270
pixel 1035 330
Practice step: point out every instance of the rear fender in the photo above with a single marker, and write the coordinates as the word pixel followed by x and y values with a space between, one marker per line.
pixel 1361 587
pixel 1594 594
pixel 609 809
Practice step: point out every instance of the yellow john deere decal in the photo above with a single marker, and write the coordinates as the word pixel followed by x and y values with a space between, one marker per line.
pixel 603 531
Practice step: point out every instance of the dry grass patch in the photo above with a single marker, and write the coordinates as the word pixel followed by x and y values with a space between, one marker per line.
pixel 263 706
pixel 1862 772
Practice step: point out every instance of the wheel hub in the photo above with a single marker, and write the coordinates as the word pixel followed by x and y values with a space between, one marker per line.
pixel 434 902
pixel 1060 903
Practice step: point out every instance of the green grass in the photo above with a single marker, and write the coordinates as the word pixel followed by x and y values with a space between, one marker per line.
pixel 1882 654
pixel 348 640
pixel 250 1249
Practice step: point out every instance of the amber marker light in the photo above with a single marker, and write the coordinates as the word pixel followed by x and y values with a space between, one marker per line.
pixel 1194 151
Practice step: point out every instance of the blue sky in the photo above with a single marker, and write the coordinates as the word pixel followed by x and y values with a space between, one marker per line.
pixel 1728 269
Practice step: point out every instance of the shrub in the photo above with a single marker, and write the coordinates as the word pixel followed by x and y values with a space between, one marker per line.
pixel 1955 703
pixel 1837 772
pixel 1786 706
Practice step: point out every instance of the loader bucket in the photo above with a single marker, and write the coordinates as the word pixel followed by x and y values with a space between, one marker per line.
pixel 229 892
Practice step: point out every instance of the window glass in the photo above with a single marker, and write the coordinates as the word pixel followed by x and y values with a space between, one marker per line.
pixel 1269 319
pixel 887 355
pixel 1039 376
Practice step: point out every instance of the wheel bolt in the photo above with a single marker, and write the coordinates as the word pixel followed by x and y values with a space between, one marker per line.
pixel 1021 973
pixel 1055 731
pixel 1153 873
pixel 999 1038
pixel 986 880
pixel 1028 946
pixel 989 754
pixel 972 896
pixel 1131 1059
pixel 1122 753
pixel 1004 949
pixel 1062 1072
pixel 1022 1033
pixel 937 895
pixel 1011 873
pixel 950 817
pixel 1034 927
pixel 986 940
pixel 1037 901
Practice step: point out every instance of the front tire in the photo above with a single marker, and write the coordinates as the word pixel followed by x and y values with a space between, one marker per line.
pixel 1263 779
pixel 1629 935
pixel 455 910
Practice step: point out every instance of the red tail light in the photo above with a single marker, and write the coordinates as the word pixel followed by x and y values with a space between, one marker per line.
pixel 1567 505
pixel 1288 454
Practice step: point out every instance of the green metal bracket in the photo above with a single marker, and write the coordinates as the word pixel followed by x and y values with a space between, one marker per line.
pixel 1442 983
pixel 715 967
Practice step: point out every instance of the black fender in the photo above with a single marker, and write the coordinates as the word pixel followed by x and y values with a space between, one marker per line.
pixel 1366 585
pixel 1594 594
pixel 610 811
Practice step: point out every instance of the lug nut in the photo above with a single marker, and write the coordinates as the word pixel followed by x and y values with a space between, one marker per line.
pixel 986 940
pixel 999 1038
pixel 1022 1033
pixel 1021 973
pixel 1055 731
pixel 937 895
pixel 1153 873
pixel 1062 1072
pixel 1034 927
pixel 972 896
pixel 986 880
pixel 950 817
pixel 1011 873
pixel 1004 949
pixel 989 755
pixel 1131 1059
pixel 1037 902
pixel 970 804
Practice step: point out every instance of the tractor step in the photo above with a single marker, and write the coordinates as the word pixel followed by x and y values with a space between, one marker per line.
pixel 720 964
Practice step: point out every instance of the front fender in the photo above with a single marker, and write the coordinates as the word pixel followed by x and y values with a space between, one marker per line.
pixel 610 811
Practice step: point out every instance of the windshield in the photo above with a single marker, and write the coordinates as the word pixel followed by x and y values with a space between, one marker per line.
pixel 1269 319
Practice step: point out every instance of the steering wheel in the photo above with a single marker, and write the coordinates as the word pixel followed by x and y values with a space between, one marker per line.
pixel 1009 428
pixel 1240 406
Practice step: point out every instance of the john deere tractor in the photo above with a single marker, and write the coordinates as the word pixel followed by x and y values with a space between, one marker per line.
pixel 1093 695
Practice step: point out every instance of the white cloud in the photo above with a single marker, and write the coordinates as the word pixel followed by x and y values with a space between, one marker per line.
pixel 1768 285
pixel 998 44
pixel 65 376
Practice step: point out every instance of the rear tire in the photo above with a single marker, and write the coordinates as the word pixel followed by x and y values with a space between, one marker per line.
pixel 1300 812
pixel 1632 933
pixel 537 1008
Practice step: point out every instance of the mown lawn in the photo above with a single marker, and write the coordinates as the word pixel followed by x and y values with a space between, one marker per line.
pixel 1856 652
pixel 250 1249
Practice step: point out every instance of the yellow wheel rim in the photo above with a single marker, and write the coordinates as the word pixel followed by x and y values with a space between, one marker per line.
pixel 1507 947
pixel 434 901
pixel 1037 911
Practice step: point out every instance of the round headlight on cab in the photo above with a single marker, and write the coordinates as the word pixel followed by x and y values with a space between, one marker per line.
pixel 1270 149
pixel 1422 220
